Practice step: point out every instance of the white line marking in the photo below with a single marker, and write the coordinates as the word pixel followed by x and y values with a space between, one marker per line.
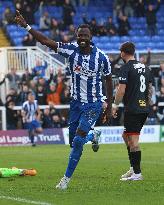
pixel 24 200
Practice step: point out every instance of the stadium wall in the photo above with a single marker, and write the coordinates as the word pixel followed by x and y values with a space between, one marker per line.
pixel 110 135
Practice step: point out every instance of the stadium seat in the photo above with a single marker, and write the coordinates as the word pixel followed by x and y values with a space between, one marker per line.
pixel 115 39
pixel 135 39
pixel 145 38
pixel 17 41
pixel 156 39
pixel 161 32
pixel 124 38
pixel 104 39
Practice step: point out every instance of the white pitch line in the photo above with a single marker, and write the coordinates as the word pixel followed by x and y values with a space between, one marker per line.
pixel 24 200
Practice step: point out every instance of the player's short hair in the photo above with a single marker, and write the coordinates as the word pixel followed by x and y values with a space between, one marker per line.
pixel 31 93
pixel 128 47
pixel 84 26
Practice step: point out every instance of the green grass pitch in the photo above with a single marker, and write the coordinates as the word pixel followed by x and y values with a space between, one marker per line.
pixel 95 181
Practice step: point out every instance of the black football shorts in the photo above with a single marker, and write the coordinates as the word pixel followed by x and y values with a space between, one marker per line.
pixel 133 122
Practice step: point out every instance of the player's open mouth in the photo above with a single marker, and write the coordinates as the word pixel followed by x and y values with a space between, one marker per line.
pixel 82 43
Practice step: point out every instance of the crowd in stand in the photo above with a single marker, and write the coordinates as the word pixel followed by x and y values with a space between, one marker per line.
pixel 52 91
pixel 64 29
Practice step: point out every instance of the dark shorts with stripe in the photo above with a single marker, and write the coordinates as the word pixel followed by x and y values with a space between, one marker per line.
pixel 133 122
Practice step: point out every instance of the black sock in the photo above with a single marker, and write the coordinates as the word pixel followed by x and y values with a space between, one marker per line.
pixel 32 139
pixel 136 159
pixel 128 148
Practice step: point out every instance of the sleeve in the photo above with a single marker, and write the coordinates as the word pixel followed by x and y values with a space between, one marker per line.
pixel 24 107
pixel 123 75
pixel 106 66
pixel 65 49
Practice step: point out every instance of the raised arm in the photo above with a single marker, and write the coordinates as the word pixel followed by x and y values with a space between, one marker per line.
pixel 37 35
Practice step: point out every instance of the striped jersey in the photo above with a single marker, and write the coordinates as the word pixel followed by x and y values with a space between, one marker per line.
pixel 30 110
pixel 86 71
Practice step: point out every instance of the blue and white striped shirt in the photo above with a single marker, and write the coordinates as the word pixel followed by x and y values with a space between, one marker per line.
pixel 86 71
pixel 30 110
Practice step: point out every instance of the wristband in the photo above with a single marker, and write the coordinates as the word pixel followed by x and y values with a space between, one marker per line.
pixel 114 106
pixel 28 28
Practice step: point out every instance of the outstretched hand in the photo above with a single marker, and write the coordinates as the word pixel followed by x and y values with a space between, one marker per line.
pixel 20 20
pixel 106 115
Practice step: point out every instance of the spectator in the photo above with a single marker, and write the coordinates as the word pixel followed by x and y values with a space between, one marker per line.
pixel 39 70
pixel 140 8
pixel 101 30
pixel 32 86
pixel 161 72
pixel 28 13
pixel 128 9
pixel 68 13
pixel 160 109
pixel 29 40
pixel 13 78
pixel 22 97
pixel 47 120
pixel 12 95
pixel 26 77
pixel 55 31
pixel 146 59
pixel 45 22
pixel 42 82
pixel 151 19
pixel 110 27
pixel 65 39
pixel 56 122
pixel 8 17
pixel 161 82
pixel 84 3
pixel 93 24
pixel 41 95
pixel 117 7
pixel 65 96
pixel 53 97
pixel 115 67
pixel 11 116
pixel 124 26
pixel 71 33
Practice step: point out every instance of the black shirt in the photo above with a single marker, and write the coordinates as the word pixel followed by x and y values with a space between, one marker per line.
pixel 137 77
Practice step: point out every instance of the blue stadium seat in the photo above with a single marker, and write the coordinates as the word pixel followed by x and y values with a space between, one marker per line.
pixel 18 41
pixel 160 25
pixel 141 32
pixel 156 38
pixel 104 39
pixel 142 20
pixel 145 38
pixel 161 32
pixel 95 39
pixel 125 38
pixel 135 39
pixel 159 45
pixel 11 28
pixel 141 46
pixel 115 39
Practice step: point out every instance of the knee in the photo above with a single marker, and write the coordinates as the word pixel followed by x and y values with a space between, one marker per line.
pixel 134 148
pixel 78 142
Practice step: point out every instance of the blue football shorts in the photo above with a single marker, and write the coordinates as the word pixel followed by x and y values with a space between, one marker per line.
pixel 83 115
pixel 32 125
